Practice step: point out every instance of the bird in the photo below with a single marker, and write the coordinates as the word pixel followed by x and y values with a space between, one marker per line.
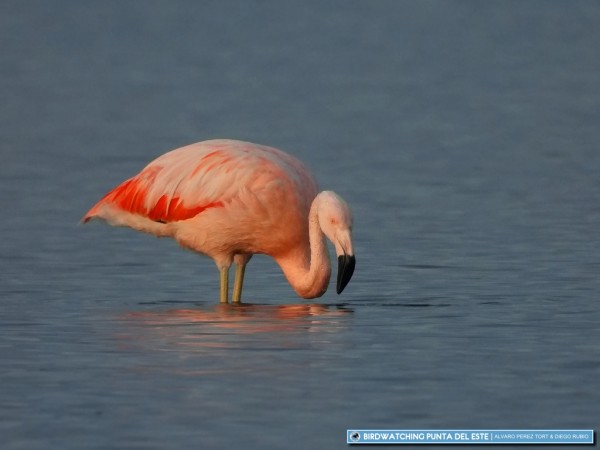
pixel 229 199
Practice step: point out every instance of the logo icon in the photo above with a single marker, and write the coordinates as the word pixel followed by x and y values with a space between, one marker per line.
pixel 355 436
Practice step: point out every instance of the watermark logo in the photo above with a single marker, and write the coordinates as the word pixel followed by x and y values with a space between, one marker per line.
pixel 478 437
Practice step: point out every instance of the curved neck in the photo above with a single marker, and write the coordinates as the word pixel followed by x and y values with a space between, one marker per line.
pixel 307 267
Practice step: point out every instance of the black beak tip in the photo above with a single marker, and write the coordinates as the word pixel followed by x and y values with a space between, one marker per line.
pixel 346 265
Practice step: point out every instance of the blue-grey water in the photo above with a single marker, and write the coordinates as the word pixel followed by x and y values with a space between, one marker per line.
pixel 465 136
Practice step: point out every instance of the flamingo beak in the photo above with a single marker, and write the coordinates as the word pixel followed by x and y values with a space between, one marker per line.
pixel 346 265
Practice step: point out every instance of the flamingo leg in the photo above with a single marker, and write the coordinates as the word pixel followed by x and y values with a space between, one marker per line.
pixel 224 284
pixel 238 282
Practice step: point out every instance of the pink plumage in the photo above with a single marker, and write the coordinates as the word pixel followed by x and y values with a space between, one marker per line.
pixel 230 199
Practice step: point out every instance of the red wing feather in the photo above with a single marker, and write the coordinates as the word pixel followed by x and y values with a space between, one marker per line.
pixel 131 196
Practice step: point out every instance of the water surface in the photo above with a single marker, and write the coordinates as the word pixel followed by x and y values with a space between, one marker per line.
pixel 463 134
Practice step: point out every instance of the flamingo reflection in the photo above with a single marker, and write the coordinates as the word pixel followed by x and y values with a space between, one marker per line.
pixel 220 326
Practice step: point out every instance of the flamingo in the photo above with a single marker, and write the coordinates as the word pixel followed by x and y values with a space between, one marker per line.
pixel 230 199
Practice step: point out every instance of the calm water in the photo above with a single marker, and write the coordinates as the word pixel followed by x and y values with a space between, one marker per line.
pixel 465 136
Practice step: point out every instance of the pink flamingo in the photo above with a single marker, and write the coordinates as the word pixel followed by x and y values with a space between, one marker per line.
pixel 230 199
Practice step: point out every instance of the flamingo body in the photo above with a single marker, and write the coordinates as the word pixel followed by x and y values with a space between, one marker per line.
pixel 231 199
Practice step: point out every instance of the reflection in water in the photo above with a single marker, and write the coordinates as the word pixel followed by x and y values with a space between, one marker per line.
pixel 244 326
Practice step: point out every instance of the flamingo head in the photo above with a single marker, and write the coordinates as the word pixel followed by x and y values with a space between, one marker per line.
pixel 335 219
